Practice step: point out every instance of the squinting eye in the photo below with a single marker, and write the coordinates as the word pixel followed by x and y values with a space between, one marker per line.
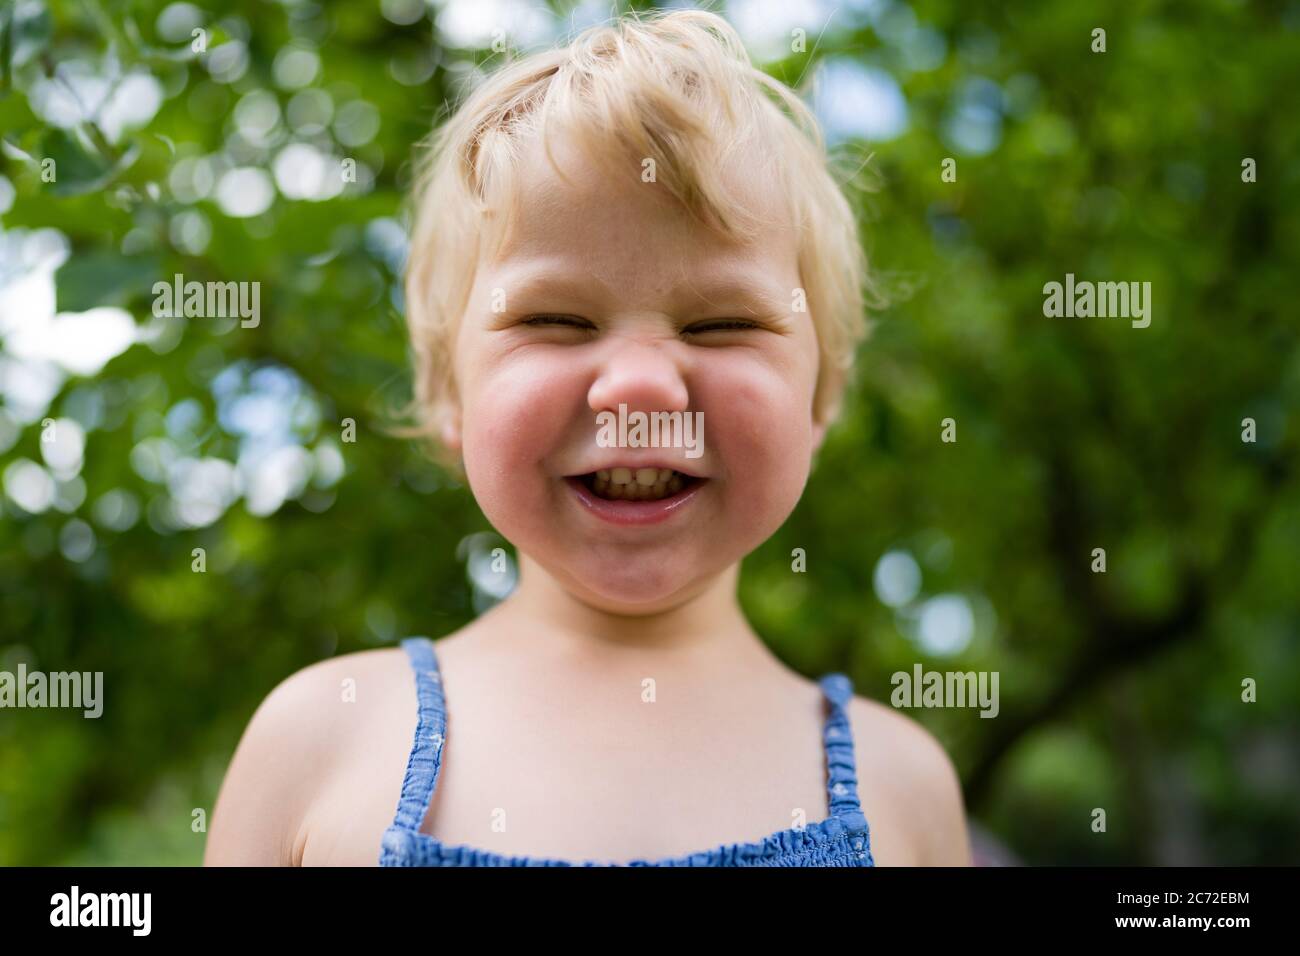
pixel 721 325
pixel 568 320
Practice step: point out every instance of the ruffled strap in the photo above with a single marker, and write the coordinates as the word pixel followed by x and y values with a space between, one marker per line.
pixel 842 773
pixel 430 735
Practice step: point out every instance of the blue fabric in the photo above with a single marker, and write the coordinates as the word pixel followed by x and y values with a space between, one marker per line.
pixel 842 839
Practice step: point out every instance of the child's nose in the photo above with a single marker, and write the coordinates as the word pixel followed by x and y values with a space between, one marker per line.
pixel 642 377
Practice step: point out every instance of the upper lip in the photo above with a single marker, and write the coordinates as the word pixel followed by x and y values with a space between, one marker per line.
pixel 634 464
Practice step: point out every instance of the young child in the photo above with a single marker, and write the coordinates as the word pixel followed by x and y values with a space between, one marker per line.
pixel 639 222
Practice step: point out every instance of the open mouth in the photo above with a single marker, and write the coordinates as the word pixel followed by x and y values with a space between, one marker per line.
pixel 637 484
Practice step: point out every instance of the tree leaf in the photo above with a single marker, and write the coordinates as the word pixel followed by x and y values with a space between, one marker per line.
pixel 96 279
pixel 79 169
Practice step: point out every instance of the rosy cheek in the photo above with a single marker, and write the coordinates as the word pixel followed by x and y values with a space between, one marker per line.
pixel 762 435
pixel 515 414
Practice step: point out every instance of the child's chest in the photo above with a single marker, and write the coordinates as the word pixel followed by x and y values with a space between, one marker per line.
pixel 635 785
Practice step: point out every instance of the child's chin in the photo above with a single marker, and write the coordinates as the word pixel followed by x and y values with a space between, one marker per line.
pixel 630 592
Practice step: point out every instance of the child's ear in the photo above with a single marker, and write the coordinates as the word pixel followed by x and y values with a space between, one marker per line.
pixel 450 436
pixel 449 433
pixel 820 425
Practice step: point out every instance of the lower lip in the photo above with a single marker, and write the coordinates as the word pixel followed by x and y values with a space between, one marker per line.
pixel 634 512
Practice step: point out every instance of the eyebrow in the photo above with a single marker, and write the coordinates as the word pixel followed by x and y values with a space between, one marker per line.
pixel 554 278
pixel 550 277
pixel 759 296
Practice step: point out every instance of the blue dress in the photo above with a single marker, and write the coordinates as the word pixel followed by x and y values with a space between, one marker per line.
pixel 842 839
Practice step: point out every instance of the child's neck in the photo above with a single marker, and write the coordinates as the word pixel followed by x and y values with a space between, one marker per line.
pixel 704 630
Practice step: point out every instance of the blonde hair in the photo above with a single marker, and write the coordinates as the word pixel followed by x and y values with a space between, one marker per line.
pixel 676 87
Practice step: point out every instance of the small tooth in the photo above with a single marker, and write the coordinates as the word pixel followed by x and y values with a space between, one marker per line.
pixel 603 474
pixel 600 484
pixel 665 474
pixel 659 488
pixel 645 477
pixel 674 484
pixel 620 476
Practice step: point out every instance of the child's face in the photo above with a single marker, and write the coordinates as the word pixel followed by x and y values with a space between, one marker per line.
pixel 629 272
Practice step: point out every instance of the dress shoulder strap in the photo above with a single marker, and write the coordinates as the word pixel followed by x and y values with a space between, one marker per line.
pixel 430 734
pixel 841 767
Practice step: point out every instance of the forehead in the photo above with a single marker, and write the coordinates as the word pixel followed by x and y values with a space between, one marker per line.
pixel 633 237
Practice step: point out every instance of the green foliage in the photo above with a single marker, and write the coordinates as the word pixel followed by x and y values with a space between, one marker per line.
pixel 1119 690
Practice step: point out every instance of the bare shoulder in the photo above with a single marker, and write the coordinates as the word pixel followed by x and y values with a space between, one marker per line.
pixel 308 723
pixel 914 784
